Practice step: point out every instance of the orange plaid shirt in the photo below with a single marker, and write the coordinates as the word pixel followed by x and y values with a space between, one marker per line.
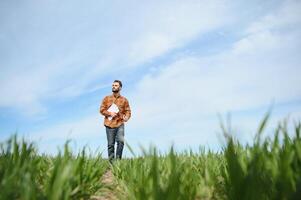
pixel 123 106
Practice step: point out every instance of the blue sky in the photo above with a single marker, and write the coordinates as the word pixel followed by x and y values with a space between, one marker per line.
pixel 181 62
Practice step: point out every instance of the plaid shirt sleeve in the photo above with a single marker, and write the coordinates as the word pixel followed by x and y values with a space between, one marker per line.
pixel 127 109
pixel 104 107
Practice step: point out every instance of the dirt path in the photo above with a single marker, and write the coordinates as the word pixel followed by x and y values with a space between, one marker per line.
pixel 107 192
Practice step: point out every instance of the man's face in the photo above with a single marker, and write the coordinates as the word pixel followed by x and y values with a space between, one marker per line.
pixel 116 87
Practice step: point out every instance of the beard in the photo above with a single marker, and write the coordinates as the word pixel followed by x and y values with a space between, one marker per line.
pixel 115 90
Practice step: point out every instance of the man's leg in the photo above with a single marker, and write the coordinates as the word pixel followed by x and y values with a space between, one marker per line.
pixel 120 141
pixel 111 134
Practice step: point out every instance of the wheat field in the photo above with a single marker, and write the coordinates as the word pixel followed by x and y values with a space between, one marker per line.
pixel 270 168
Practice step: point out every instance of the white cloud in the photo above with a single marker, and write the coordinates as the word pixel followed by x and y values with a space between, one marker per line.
pixel 170 25
pixel 137 34
pixel 260 68
pixel 86 127
pixel 178 102
pixel 287 17
pixel 86 131
pixel 26 88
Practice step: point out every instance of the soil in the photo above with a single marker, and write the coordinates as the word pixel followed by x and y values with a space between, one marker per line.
pixel 109 189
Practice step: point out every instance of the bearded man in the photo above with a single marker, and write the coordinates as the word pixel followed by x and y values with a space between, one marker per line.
pixel 116 111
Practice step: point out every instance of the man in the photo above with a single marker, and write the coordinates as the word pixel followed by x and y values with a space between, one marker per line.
pixel 116 110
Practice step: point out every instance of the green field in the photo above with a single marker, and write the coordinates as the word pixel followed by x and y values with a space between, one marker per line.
pixel 270 168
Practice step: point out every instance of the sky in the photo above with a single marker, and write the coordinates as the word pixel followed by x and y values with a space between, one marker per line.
pixel 183 64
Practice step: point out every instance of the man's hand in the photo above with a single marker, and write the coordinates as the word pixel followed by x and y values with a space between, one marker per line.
pixel 113 114
pixel 125 118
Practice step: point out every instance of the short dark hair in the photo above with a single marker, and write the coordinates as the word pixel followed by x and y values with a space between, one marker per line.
pixel 118 81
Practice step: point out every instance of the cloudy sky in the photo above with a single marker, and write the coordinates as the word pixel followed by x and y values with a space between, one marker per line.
pixel 182 63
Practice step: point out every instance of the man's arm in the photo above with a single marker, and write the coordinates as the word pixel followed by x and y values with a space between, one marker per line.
pixel 104 107
pixel 127 111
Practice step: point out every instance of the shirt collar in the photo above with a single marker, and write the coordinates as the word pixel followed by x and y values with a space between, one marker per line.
pixel 116 96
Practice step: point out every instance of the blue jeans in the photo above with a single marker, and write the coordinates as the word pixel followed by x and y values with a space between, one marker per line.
pixel 115 134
